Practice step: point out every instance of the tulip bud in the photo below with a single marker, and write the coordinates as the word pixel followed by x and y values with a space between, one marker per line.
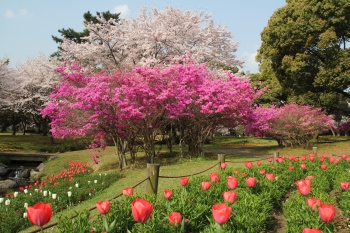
pixel 7 202
pixel 44 193
pixel 69 193
pixel 54 196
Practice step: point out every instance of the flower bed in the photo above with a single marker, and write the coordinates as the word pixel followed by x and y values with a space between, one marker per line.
pixel 314 193
pixel 66 189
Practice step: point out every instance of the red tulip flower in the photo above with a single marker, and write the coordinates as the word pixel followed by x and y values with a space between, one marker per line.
pixel 141 210
pixel 175 218
pixel 184 181
pixel 303 157
pixel 223 165
pixel 270 160
pixel 251 182
pixel 128 191
pixel 313 203
pixel 229 196
pixel 296 159
pixel 331 160
pixel 303 166
pixel 248 164
pixel 344 185
pixel 344 156
pixel 214 177
pixel 206 185
pixel 221 213
pixel 168 194
pixel 323 166
pixel 232 182
pixel 326 212
pixel 103 206
pixel 291 168
pixel 270 176
pixel 309 230
pixel 39 214
pixel 258 163
pixel 312 158
pixel 304 187
pixel 262 172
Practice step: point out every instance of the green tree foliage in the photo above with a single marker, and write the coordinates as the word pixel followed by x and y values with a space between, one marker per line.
pixel 305 54
pixel 78 37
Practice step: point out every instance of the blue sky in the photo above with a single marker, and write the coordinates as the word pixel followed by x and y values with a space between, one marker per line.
pixel 26 26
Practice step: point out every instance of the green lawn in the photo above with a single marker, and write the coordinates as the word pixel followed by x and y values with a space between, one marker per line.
pixel 171 165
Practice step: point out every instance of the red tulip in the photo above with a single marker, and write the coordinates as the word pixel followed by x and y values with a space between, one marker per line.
pixel 248 164
pixel 321 159
pixel 175 218
pixel 251 182
pixel 229 196
pixel 291 157
pixel 168 194
pixel 296 159
pixel 309 230
pixel 279 160
pixel 304 187
pixel 270 176
pixel 291 168
pixel 303 157
pixel 326 212
pixel 205 185
pixel 312 158
pixel 344 156
pixel 128 191
pixel 313 202
pixel 103 206
pixel 223 165
pixel 221 213
pixel 270 160
pixel 232 182
pixel 262 172
pixel 344 185
pixel 141 210
pixel 303 166
pixel 39 214
pixel 323 166
pixel 184 181
pixel 331 160
pixel 259 163
pixel 214 177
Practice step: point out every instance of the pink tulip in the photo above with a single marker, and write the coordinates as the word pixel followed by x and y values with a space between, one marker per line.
pixel 304 187
pixel 141 210
pixel 251 182
pixel 168 194
pixel 221 213
pixel 326 212
pixel 206 185
pixel 323 166
pixel 214 177
pixel 184 181
pixel 313 203
pixel 232 182
pixel 344 185
pixel 229 196
pixel 270 176
pixel 309 230
pixel 223 165
pixel 249 165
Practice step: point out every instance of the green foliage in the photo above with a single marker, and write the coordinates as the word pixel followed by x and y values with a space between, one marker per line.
pixel 305 47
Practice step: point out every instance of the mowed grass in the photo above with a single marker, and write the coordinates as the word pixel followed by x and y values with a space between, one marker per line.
pixel 171 164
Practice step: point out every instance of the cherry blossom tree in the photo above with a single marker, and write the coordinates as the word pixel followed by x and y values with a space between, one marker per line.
pixel 154 37
pixel 35 80
pixel 140 102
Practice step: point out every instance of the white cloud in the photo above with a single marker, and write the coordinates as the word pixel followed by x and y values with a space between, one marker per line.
pixel 9 13
pixel 122 9
pixel 23 12
pixel 249 62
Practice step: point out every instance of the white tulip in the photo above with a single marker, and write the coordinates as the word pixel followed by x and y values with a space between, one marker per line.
pixel 95 181
pixel 54 195
pixel 7 202
pixel 25 191
pixel 77 185
pixel 25 215
pixel 69 193
pixel 15 194
pixel 1 199
pixel 44 193
pixel 25 205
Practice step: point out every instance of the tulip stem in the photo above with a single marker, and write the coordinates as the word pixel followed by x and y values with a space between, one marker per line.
pixel 41 228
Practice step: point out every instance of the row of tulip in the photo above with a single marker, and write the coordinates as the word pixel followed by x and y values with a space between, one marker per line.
pixel 64 190
pixel 230 201
pixel 243 202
